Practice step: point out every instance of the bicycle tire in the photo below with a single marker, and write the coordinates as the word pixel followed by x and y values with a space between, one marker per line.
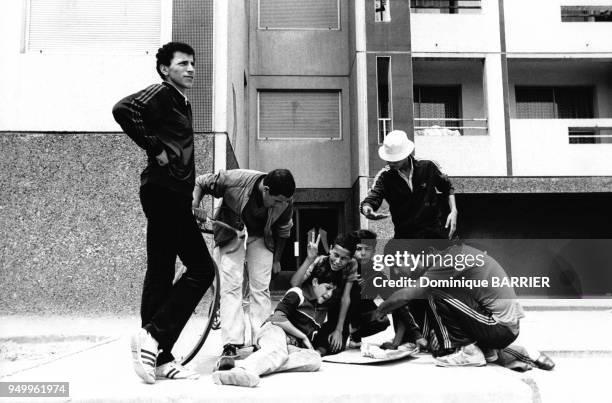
pixel 213 308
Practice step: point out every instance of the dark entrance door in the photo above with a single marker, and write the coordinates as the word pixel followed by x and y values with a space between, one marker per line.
pixel 306 216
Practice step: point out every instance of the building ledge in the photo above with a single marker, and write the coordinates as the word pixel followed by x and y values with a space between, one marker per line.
pixel 532 184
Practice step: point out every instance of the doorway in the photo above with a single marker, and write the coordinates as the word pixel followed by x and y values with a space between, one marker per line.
pixel 306 216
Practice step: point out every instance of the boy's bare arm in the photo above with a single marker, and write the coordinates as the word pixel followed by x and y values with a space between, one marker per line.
pixel 399 298
pixel 335 339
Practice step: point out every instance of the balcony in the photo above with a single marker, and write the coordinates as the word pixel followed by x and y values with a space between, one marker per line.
pixel 450 127
pixel 561 147
pixel 451 119
pixel 445 6
pixel 561 117
pixel 561 28
pixel 454 26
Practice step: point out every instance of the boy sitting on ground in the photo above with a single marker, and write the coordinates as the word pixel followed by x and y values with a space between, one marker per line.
pixel 285 340
pixel 362 311
pixel 339 269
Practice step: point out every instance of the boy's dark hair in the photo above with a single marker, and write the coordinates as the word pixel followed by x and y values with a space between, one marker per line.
pixel 347 241
pixel 166 53
pixel 280 182
pixel 362 234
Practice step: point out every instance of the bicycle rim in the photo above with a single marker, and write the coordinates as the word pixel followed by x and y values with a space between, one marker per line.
pixel 198 326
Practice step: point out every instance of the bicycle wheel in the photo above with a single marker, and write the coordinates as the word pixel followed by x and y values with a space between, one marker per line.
pixel 198 326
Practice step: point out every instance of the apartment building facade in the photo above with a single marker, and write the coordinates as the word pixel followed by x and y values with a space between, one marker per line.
pixel 512 98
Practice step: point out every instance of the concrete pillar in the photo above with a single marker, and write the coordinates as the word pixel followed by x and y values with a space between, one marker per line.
pixel 494 101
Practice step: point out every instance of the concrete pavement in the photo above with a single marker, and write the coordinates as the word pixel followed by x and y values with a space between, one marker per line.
pixel 577 340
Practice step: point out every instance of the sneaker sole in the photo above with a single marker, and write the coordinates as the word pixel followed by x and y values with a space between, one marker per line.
pixel 471 364
pixel 235 378
pixel 137 363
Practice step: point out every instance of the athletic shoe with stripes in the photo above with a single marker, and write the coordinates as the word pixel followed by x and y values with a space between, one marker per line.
pixel 174 370
pixel 466 356
pixel 144 355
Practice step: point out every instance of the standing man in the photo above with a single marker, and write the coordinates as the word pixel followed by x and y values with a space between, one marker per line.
pixel 409 186
pixel 263 204
pixel 159 120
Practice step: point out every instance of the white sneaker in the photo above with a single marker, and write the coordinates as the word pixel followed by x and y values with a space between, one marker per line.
pixel 236 376
pixel 467 356
pixel 174 370
pixel 144 355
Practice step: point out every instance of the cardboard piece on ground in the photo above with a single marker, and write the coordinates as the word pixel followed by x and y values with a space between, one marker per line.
pixel 356 357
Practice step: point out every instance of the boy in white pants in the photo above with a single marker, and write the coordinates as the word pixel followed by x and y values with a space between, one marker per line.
pixel 285 338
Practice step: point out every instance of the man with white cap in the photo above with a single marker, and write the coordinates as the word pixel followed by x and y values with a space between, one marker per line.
pixel 410 188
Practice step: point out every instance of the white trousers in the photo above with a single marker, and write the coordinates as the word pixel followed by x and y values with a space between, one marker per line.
pixel 259 270
pixel 275 355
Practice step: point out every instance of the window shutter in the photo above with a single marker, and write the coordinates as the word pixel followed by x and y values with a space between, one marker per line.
pixel 299 115
pixel 90 26
pixel 534 103
pixel 299 14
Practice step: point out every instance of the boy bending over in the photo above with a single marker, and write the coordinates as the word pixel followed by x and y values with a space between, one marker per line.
pixel 285 339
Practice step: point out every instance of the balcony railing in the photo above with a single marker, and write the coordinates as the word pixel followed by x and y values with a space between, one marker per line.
pixel 590 135
pixel 444 6
pixel 450 126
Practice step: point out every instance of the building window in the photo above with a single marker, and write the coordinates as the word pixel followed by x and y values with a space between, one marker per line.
pixel 299 14
pixel 445 6
pixel 437 107
pixel 383 79
pixel 82 26
pixel 299 114
pixel 382 10
pixel 554 102
pixel 586 13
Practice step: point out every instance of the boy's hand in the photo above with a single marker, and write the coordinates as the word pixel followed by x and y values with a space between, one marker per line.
pixel 335 341
pixel 378 315
pixel 389 345
pixel 312 250
pixel 199 214
pixel 307 343
pixel 162 158
pixel 276 267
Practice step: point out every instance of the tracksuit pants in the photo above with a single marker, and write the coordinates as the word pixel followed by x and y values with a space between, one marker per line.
pixel 458 320
pixel 171 231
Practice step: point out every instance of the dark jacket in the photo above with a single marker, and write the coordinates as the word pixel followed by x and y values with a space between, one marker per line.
pixel 411 210
pixel 302 313
pixel 159 118
pixel 235 187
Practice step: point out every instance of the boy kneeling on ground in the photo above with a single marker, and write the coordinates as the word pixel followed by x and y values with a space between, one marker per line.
pixel 285 339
